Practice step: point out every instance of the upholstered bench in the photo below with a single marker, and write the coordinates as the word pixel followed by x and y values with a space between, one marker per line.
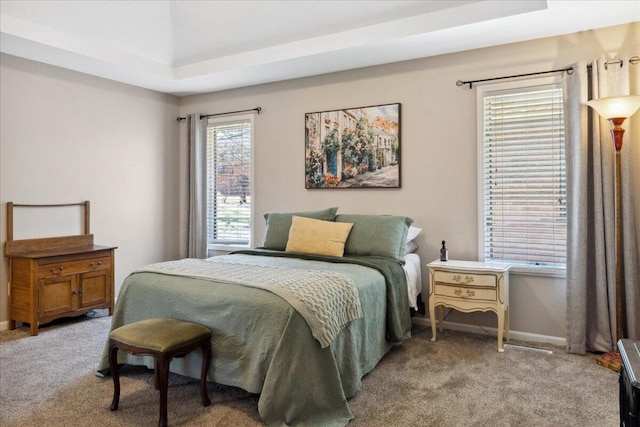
pixel 164 339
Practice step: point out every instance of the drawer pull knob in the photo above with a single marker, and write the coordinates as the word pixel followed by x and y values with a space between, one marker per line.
pixel 96 264
pixel 458 278
pixel 469 293
pixel 53 270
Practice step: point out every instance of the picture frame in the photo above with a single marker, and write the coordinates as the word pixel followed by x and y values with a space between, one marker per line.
pixel 353 148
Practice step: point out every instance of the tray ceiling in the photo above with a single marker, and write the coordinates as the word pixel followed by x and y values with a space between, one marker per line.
pixel 187 47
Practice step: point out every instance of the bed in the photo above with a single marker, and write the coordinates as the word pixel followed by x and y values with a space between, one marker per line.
pixel 304 367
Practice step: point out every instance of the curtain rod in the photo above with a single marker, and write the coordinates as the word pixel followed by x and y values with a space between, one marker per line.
pixel 459 83
pixel 633 60
pixel 204 116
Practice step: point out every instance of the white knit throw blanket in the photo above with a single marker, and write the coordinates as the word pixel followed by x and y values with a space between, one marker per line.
pixel 326 300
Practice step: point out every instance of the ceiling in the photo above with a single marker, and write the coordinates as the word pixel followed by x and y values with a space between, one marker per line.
pixel 188 47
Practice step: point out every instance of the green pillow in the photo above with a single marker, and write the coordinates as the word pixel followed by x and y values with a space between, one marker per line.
pixel 377 235
pixel 279 223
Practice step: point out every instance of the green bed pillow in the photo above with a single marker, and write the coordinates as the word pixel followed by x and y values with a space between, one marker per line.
pixel 279 223
pixel 377 235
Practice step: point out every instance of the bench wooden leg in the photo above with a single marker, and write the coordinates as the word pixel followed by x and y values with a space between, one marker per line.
pixel 156 372
pixel 206 359
pixel 163 380
pixel 113 366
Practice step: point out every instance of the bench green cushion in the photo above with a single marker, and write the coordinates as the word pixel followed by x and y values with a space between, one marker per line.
pixel 159 334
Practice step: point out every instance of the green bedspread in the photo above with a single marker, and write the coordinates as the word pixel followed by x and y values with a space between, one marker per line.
pixel 262 345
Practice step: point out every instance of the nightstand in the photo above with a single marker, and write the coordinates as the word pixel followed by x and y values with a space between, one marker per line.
pixel 470 286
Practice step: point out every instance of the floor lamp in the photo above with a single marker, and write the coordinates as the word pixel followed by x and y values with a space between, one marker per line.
pixel 617 109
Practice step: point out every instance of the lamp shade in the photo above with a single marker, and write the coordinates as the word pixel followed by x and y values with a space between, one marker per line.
pixel 614 107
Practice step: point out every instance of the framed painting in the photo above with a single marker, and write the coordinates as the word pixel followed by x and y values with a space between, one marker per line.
pixel 353 148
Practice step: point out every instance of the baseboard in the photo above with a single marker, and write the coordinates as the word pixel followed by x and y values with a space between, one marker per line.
pixel 463 327
pixel 514 335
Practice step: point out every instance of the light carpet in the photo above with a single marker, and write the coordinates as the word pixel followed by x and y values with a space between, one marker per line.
pixel 48 380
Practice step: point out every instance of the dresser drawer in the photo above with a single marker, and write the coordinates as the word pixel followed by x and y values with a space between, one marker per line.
pixel 73 266
pixel 467 279
pixel 466 292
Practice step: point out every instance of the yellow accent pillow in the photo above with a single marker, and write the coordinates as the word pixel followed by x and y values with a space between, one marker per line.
pixel 314 236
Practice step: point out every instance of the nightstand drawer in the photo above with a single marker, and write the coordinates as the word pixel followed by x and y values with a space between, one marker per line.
pixel 467 279
pixel 465 292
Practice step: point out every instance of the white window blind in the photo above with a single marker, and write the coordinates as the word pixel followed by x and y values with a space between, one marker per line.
pixel 229 178
pixel 524 177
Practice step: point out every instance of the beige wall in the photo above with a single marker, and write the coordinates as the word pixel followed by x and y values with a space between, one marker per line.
pixel 438 131
pixel 70 137
pixel 66 137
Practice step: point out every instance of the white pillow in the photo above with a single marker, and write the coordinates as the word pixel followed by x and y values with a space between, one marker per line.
pixel 413 233
pixel 410 248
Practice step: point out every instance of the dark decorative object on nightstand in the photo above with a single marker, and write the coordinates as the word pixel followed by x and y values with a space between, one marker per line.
pixel 629 384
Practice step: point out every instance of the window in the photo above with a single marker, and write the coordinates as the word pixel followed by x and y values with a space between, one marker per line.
pixel 229 181
pixel 522 171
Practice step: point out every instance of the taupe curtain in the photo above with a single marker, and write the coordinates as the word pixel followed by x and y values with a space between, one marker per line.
pixel 197 186
pixel 591 263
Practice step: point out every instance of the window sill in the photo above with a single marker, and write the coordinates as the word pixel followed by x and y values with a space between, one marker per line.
pixel 524 270
pixel 213 249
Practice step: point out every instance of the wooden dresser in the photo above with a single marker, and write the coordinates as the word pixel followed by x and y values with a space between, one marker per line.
pixel 56 277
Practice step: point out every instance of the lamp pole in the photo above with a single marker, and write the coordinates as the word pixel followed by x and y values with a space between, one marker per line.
pixel 616 110
pixel 617 133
